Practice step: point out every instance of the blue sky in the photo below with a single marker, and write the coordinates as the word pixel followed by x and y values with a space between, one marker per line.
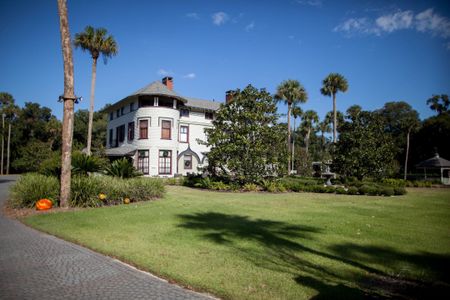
pixel 387 50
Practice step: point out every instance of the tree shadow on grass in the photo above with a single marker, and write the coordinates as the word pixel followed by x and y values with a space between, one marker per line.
pixel 283 251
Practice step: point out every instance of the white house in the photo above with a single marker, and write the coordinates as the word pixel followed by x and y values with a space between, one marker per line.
pixel 159 128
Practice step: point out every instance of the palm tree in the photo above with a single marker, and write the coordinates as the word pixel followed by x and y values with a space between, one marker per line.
pixel 96 42
pixel 323 127
pixel 310 118
pixel 69 100
pixel 291 92
pixel 332 84
pixel 296 113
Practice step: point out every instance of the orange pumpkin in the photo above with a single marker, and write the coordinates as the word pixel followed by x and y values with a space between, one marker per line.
pixel 44 204
pixel 126 200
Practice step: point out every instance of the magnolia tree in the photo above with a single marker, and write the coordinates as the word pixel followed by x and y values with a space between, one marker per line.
pixel 246 143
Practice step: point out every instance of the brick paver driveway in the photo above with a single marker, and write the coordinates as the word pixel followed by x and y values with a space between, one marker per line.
pixel 34 265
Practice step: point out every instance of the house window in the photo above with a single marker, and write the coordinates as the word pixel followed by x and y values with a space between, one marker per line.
pixel 184 134
pixel 111 135
pixel 143 129
pixel 111 116
pixel 165 162
pixel 184 113
pixel 142 163
pixel 166 130
pixel 120 133
pixel 118 113
pixel 131 106
pixel 209 115
pixel 122 111
pixel 188 162
pixel 130 131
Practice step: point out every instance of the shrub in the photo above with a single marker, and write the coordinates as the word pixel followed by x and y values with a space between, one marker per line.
pixel 394 182
pixel 368 190
pixel 83 164
pixel 341 190
pixel 250 187
pixel 144 189
pixel 122 168
pixel 219 186
pixel 51 166
pixel 387 191
pixel 353 190
pixel 399 191
pixel 31 187
pixel 85 191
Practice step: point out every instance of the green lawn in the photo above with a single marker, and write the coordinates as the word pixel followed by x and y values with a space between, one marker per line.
pixel 276 246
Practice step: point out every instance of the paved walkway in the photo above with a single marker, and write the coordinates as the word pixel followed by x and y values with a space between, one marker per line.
pixel 34 265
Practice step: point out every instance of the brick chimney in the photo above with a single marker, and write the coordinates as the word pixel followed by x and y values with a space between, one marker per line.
pixel 229 96
pixel 168 81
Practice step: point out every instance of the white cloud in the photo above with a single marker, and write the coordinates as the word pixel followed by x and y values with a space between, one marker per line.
pixel 190 76
pixel 291 37
pixel 425 21
pixel 193 15
pixel 220 18
pixel 310 2
pixel 163 72
pixel 250 26
pixel 428 21
pixel 397 21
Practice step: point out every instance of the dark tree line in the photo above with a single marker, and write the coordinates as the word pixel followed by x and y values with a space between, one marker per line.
pixel 36 133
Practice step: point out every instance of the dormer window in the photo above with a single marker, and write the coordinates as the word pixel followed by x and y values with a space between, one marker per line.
pixel 184 112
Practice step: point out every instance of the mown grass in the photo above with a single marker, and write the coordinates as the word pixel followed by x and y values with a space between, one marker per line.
pixel 276 246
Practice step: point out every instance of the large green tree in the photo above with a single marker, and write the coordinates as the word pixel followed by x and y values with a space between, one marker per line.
pixel 364 148
pixel 97 42
pixel 401 121
pixel 246 142
pixel 291 92
pixel 331 85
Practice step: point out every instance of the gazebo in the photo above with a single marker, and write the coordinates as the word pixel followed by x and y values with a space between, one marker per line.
pixel 437 162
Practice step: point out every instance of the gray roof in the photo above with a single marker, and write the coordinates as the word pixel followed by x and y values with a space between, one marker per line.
pixel 200 103
pixel 121 151
pixel 434 162
pixel 157 88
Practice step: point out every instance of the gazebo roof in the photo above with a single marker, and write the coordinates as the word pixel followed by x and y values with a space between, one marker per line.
pixel 434 162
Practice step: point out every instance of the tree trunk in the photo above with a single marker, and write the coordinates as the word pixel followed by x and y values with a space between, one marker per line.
pixel 69 99
pixel 8 148
pixel 407 154
pixel 289 138
pixel 334 118
pixel 91 107
pixel 293 147
pixel 308 133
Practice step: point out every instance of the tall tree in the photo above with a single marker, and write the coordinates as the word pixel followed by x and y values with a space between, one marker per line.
pixel 291 92
pixel 296 113
pixel 97 42
pixel 364 148
pixel 439 103
pixel 401 120
pixel 69 100
pixel 7 110
pixel 310 118
pixel 246 142
pixel 323 127
pixel 331 85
